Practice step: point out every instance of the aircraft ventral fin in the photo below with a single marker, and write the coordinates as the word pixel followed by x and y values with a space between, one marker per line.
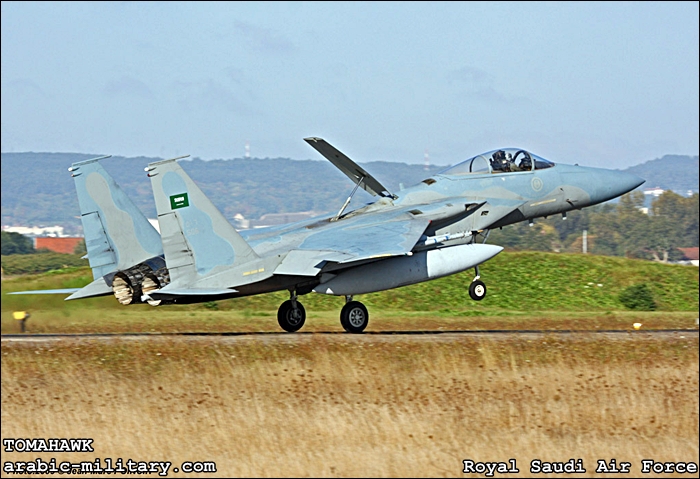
pixel 351 169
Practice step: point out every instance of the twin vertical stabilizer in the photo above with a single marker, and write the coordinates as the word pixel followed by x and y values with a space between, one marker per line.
pixel 197 239
pixel 117 234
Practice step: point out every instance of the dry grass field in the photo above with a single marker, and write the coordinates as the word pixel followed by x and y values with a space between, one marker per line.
pixel 166 320
pixel 358 405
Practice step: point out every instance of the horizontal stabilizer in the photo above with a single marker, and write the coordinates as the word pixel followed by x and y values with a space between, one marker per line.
pixel 351 169
pixel 96 288
pixel 48 291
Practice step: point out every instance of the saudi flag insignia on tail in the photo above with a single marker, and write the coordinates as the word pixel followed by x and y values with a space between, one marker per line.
pixel 179 201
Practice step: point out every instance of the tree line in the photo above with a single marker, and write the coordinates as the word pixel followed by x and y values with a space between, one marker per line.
pixel 614 229
pixel 20 257
pixel 15 243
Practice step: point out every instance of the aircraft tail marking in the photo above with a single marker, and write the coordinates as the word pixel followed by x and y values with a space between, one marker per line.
pixel 196 237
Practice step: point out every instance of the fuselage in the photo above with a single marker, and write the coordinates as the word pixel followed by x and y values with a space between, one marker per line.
pixel 461 200
pixel 459 203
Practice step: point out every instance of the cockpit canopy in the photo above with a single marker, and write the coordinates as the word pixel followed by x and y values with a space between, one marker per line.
pixel 504 160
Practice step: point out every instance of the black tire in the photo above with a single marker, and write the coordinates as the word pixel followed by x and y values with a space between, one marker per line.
pixel 291 319
pixel 354 317
pixel 477 290
pixel 344 322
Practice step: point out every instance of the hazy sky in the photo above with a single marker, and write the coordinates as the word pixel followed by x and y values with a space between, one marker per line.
pixel 600 84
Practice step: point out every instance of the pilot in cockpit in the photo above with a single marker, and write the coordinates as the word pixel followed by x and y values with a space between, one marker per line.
pixel 526 164
pixel 511 164
pixel 502 161
pixel 497 160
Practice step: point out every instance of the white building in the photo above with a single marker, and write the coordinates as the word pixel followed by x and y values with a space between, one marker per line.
pixel 656 191
pixel 52 231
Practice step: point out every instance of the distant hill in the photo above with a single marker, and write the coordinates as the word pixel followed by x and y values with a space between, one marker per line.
pixel 672 172
pixel 38 190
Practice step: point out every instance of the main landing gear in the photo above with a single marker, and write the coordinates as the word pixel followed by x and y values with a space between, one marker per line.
pixel 477 290
pixel 291 315
pixel 353 317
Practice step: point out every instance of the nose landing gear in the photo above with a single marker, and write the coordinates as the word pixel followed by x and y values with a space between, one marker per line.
pixel 477 289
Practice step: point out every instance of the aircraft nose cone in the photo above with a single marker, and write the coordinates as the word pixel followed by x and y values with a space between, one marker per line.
pixel 603 184
pixel 626 182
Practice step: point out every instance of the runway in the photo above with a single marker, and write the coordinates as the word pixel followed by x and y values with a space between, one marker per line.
pixel 622 334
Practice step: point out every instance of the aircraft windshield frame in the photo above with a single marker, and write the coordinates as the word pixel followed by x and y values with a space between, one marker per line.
pixel 503 160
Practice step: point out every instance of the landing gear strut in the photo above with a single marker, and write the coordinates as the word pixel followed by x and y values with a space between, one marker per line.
pixel 291 314
pixel 354 316
pixel 477 290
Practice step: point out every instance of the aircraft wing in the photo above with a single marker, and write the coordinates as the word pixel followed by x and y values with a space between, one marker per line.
pixel 351 169
pixel 392 232
pixel 370 238
pixel 355 239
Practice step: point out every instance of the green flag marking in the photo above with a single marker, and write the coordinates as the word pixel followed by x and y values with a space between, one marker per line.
pixel 179 201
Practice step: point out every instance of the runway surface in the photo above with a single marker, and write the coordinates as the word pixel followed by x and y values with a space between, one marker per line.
pixel 622 334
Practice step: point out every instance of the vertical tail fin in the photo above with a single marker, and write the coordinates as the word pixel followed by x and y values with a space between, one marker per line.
pixel 117 234
pixel 196 237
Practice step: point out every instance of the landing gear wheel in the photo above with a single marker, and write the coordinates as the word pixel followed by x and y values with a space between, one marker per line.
pixel 477 290
pixel 354 317
pixel 291 316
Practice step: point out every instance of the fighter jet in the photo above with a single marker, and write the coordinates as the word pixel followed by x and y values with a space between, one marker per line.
pixel 433 229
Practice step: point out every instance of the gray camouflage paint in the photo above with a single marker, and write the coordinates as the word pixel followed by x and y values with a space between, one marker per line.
pixel 390 227
pixel 208 259
pixel 117 234
pixel 210 249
